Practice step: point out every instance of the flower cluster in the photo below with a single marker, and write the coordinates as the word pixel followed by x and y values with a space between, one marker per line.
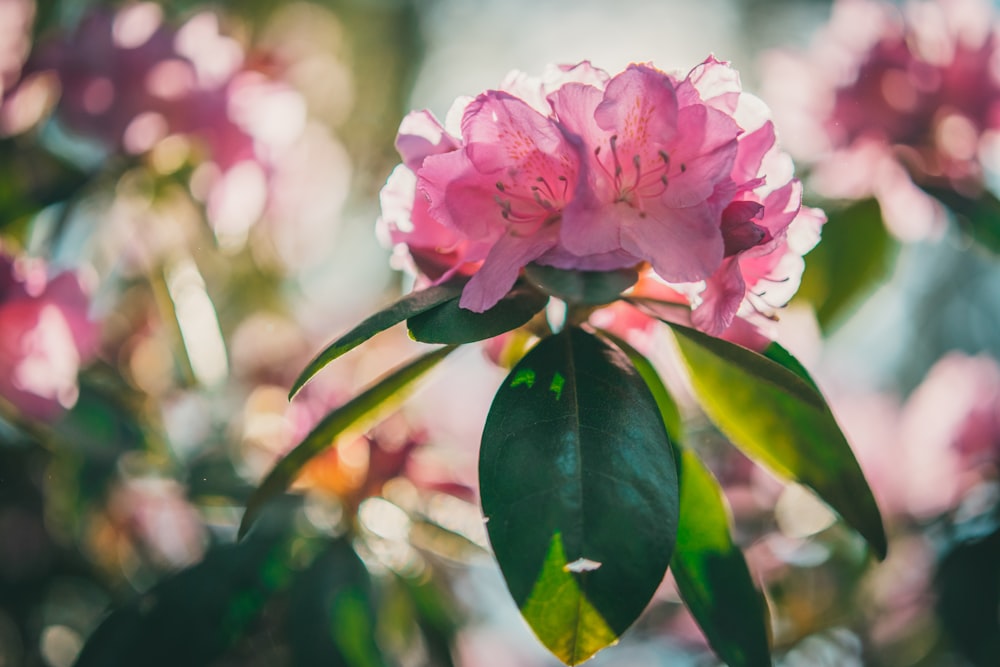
pixel 889 99
pixel 45 337
pixel 582 171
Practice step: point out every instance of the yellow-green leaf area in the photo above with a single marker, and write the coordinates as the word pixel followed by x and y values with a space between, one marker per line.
pixel 559 613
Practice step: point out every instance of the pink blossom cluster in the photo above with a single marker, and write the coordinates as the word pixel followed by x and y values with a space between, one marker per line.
pixel 129 81
pixel 925 456
pixel 46 335
pixel 580 170
pixel 888 99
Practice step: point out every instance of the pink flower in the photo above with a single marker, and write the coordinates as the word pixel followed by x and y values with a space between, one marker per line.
pixel 924 457
pixel 583 171
pixel 885 93
pixel 45 337
pixel 129 81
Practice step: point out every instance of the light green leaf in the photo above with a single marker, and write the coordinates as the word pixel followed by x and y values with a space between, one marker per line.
pixel 412 304
pixel 579 486
pixel 781 421
pixel 712 575
pixel 360 411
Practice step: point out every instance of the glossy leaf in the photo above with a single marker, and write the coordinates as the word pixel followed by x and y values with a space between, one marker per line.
pixel 593 288
pixel 450 324
pixel 712 575
pixel 410 305
pixel 977 217
pixel 855 256
pixel 365 408
pixel 781 421
pixel 669 412
pixel 579 488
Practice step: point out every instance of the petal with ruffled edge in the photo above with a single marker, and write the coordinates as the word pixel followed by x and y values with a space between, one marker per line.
pixel 421 135
pixel 723 294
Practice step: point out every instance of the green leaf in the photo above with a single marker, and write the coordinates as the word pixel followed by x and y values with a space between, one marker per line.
pixel 448 323
pixel 709 569
pixel 364 409
pixel 669 412
pixel 195 616
pixel 593 288
pixel 410 305
pixel 579 488
pixel 712 575
pixel 978 217
pixel 855 255
pixel 781 421
pixel 331 615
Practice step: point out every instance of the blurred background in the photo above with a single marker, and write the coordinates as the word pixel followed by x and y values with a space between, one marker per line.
pixel 188 205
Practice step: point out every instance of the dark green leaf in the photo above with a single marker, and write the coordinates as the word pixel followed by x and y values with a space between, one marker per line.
pixel 31 179
pixel 448 323
pixel 712 575
pixel 978 217
pixel 363 409
pixel 783 357
pixel 664 400
pixel 195 616
pixel 331 616
pixel 968 596
pixel 581 287
pixel 410 305
pixel 855 255
pixel 579 486
pixel 781 421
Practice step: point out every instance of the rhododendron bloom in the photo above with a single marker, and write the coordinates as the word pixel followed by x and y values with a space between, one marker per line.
pixel 45 337
pixel 583 171
pixel 889 95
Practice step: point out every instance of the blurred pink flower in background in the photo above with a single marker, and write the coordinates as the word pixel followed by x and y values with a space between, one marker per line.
pixel 924 457
pixel 886 95
pixel 16 17
pixel 136 85
pixel 46 335
pixel 152 516
pixel 583 171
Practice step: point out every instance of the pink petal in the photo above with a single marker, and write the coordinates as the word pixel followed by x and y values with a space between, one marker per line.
pixel 713 82
pixel 640 106
pixel 707 151
pixel 460 196
pixel 499 272
pixel 502 132
pixel 724 292
pixel 420 135
pixel 751 151
pixel 682 244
